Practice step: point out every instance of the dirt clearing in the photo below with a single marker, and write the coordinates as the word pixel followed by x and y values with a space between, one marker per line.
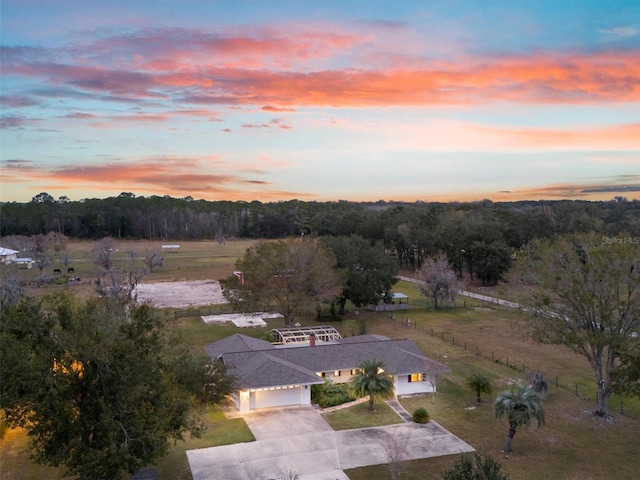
pixel 181 294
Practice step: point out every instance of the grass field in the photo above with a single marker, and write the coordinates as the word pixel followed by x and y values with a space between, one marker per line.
pixel 572 445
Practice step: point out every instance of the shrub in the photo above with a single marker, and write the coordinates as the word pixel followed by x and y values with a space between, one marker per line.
pixel 420 415
pixel 484 468
pixel 329 394
pixel 479 383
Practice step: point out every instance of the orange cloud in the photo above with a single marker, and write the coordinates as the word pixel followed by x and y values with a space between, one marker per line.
pixel 614 76
pixel 287 69
pixel 168 175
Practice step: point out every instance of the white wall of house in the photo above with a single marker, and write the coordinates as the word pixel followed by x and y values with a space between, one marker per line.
pixel 339 376
pixel 402 384
pixel 405 387
pixel 7 259
pixel 253 399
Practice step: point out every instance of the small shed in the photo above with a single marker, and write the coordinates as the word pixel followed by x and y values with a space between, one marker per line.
pixel 399 301
pixel 171 248
pixel 7 255
pixel 24 262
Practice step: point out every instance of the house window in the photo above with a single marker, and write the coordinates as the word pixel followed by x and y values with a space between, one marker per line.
pixel 336 373
pixel 417 377
pixel 323 374
pixel 354 371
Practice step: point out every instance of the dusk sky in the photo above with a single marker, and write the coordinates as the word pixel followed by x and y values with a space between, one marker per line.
pixel 321 100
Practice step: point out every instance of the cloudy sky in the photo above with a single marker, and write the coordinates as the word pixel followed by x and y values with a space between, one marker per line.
pixel 321 99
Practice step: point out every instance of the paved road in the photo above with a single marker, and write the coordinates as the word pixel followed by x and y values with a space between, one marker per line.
pixel 298 440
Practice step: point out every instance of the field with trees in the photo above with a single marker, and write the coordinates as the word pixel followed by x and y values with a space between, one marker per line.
pixel 493 248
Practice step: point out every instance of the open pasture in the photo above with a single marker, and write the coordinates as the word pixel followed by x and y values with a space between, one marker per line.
pixel 472 337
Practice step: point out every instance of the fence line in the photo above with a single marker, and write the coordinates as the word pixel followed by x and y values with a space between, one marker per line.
pixel 514 365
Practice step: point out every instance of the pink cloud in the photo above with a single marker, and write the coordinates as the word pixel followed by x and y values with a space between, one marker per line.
pixel 282 70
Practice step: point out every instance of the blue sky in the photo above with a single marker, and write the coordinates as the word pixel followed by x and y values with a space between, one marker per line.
pixel 443 100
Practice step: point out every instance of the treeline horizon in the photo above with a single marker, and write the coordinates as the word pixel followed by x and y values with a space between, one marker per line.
pixel 477 237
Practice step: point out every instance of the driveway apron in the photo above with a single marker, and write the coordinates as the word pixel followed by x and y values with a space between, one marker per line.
pixel 298 440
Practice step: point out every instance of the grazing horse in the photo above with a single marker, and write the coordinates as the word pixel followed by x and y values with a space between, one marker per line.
pixel 57 271
pixel 70 270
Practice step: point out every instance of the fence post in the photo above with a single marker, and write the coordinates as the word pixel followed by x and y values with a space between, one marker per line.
pixel 453 341
pixel 465 345
pixel 622 408
pixel 576 389
pixel 556 380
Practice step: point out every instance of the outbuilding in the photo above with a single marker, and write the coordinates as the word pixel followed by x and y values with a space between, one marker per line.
pixel 7 255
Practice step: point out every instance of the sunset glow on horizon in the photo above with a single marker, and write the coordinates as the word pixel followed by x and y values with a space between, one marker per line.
pixel 241 100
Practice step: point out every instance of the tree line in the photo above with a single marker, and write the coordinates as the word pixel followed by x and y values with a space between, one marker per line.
pixel 479 238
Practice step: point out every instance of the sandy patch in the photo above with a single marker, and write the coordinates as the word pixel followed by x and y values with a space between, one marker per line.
pixel 242 320
pixel 181 294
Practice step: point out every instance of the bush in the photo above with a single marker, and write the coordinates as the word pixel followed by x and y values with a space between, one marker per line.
pixel 329 394
pixel 484 468
pixel 420 415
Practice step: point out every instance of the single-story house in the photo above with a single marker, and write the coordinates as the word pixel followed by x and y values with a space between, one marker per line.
pixel 7 255
pixel 271 375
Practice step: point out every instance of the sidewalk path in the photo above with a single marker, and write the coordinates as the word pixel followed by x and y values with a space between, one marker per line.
pixel 399 409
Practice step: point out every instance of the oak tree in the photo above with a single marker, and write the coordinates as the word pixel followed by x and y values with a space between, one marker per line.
pixel 585 293
pixel 100 386
pixel 290 277
pixel 368 271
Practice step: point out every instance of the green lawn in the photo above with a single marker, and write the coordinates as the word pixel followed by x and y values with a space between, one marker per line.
pixel 220 431
pixel 359 416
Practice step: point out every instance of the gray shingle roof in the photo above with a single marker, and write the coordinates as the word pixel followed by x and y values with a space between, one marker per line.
pixel 259 368
pixel 236 343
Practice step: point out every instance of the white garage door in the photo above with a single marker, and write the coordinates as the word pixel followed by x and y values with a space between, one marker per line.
pixel 275 398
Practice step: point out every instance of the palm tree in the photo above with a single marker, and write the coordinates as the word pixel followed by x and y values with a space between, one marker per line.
pixel 479 383
pixel 372 380
pixel 521 405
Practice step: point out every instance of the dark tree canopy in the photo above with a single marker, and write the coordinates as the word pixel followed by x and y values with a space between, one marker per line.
pixel 626 376
pixel 368 271
pixel 100 386
pixel 287 276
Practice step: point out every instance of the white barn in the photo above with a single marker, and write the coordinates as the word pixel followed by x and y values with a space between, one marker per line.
pixel 7 255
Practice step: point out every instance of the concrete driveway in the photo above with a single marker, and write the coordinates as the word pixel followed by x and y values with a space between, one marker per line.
pixel 299 441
